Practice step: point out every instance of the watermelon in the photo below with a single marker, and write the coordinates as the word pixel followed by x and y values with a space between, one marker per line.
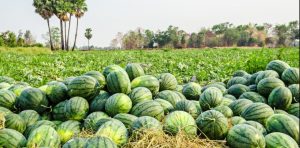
pixel 6 79
pixel 30 117
pixel 198 106
pixel 134 70
pixel 102 121
pixel 225 110
pixel 146 122
pixel 231 97
pixel 58 111
pixel 115 130
pixel 291 76
pixel 10 138
pixel 37 124
pixel 76 108
pixel 107 70
pixel 44 136
pixel 253 96
pixel 239 73
pixel 253 77
pixel 166 105
pixel 294 88
pixel 91 120
pixel 236 80
pixel 167 81
pixel 67 80
pixel 32 98
pixel 180 121
pixel 147 81
pixel 56 92
pixel 226 101
pixel 118 103
pixel 16 122
pixel 239 106
pixel 213 124
pixel 98 76
pixel 126 119
pixel 4 111
pixel 140 94
pixel 210 98
pixel 245 136
pixel 100 142
pixel 280 98
pixel 237 90
pixel 84 86
pixel 237 120
pixel 294 109
pixel 57 123
pixel 7 99
pixel 171 96
pixel 257 125
pixel 187 106
pixel 179 88
pixel 191 91
pixel 221 87
pixel 18 88
pixel 118 82
pixel 283 124
pixel 258 112
pixel 276 139
pixel 148 108
pixel 75 142
pixel 67 130
pixel 248 78
pixel 4 85
pixel 253 88
pixel 279 111
pixel 98 103
pixel 266 74
pixel 278 66
pixel 266 85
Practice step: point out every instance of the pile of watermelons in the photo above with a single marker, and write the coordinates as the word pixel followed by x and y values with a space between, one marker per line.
pixel 250 110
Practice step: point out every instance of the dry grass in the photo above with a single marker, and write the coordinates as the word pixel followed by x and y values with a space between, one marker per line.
pixel 2 120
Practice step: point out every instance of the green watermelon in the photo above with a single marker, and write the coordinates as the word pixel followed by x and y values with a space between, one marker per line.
pixel 91 120
pixel 37 124
pixel 279 111
pixel 276 139
pixel 213 124
pixel 100 142
pixel 283 124
pixel 253 96
pixel 171 96
pixel 294 109
pixel 245 136
pixel 75 143
pixel 166 105
pixel 134 70
pixel 58 111
pixel 231 97
pixel 115 130
pixel 291 76
pixel 198 106
pixel 56 92
pixel 118 82
pixel 191 91
pixel 266 85
pixel 98 76
pixel 239 73
pixel 179 88
pixel 76 108
pixel 32 98
pixel 225 110
pixel 226 101
pixel 221 87
pixel 257 125
pixel 7 99
pixel 84 86
pixel 280 98
pixel 247 77
pixel 30 117
pixel 236 80
pixel 102 121
pixel 6 79
pixel 67 130
pixel 180 121
pixel 67 80
pixel 10 138
pixel 253 77
pixel 167 81
pixel 258 112
pixel 4 111
pixel 187 106
pixel 148 108
pixel 4 85
pixel 237 120
pixel 294 88
pixel 237 90
pixel 118 103
pixel 107 70
pixel 220 83
pixel 278 66
pixel 44 136
pixel 18 88
pixel 210 98
pixel 98 103
pixel 253 88
pixel 239 106
pixel 266 74
pixel 140 94
pixel 16 122
pixel 147 81
pixel 146 122
pixel 126 119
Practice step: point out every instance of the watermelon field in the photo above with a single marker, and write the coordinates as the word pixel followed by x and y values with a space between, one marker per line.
pixel 187 98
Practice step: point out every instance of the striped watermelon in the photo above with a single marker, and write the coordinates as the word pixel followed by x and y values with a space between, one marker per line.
pixel 102 121
pixel 291 76
pixel 198 106
pixel 30 117
pixel 187 106
pixel 100 142
pixel 98 76
pixel 294 109
pixel 126 119
pixel 192 91
pixel 266 74
pixel 75 142
pixel 239 73
pixel 147 81
pixel 148 108
pixel 213 124
pixel 280 98
pixel 4 85
pixel 67 80
pixel 258 112
pixel 239 106
pixel 219 86
pixel 179 88
pixel 278 66
pixel 253 88
pixel 58 111
pixel 225 110
pixel 226 101
pixel 245 136
pixel 84 86
pixel 76 108
pixel 237 120
pixel 210 98
pixel 236 80
pixel 56 92
pixel 67 130
pixel 276 139
pixel 180 121
pixel 167 81
pixel 140 94
pixel 10 138
pixel 44 136
pixel 91 120
pixel 111 68
pixel 253 96
pixel 257 125
pixel 134 70
pixel 37 124
pixel 231 97
pixel 253 77
pixel 18 88
pixel 7 99
pixel 266 85
pixel 98 103
pixel 279 111
pixel 171 96
pixel 16 122
pixel 237 90
pixel 118 82
pixel 4 111
pixel 32 98
pixel 6 79
pixel 166 105
pixel 146 122
pixel 118 103
pixel 294 88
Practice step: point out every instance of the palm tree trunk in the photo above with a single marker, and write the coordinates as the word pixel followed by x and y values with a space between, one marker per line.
pixel 51 44
pixel 66 36
pixel 75 34
pixel 69 32
pixel 62 35
pixel 88 44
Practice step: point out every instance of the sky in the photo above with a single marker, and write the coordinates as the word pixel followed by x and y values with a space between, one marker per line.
pixel 108 17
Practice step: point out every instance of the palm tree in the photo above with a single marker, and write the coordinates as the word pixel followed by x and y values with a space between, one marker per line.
pixel 80 9
pixel 88 35
pixel 44 9
pixel 71 10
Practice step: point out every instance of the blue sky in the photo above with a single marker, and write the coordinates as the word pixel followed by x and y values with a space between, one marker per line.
pixel 107 17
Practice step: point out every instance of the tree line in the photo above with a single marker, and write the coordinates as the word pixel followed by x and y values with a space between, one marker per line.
pixel 23 39
pixel 220 35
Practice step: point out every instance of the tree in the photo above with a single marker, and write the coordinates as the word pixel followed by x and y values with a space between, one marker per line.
pixel 20 39
pixel 293 27
pixel 88 35
pixel 282 34
pixel 45 10
pixel 231 37
pixel 80 8
pixel 55 33
pixel 29 40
